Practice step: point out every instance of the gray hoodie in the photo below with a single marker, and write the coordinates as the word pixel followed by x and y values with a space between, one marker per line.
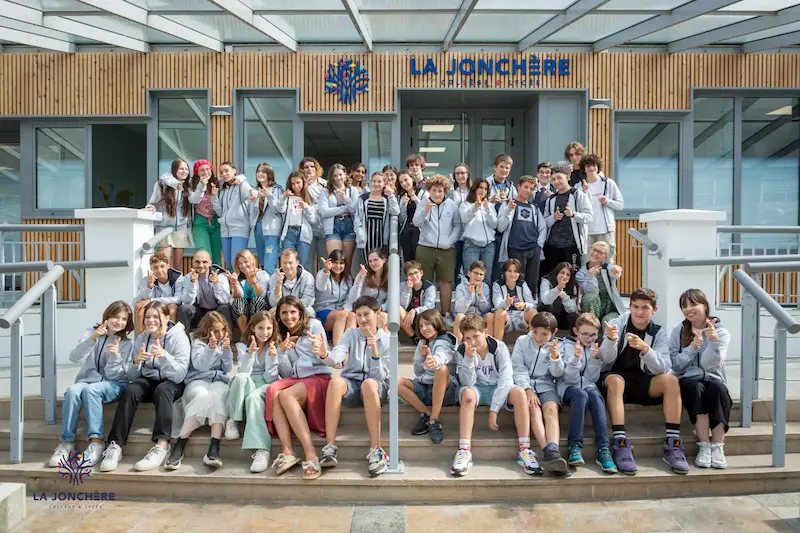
pixel 704 364
pixel 271 217
pixel 440 227
pixel 233 207
pixel 179 221
pixel 443 350
pixel 360 365
pixel 479 223
pixel 580 372
pixel 467 303
pixel 210 365
pixel 391 207
pixel 169 293
pixel 189 290
pixel 329 207
pixel 308 223
pixel 98 363
pixel 300 361
pixel 360 289
pixel 615 202
pixel 175 363
pixel 301 286
pixel 582 215
pixel 524 295
pixel 493 188
pixel 332 295
pixel 548 295
pixel 591 285
pixel 533 366
pixel 503 375
pixel 427 299
pixel 657 359
pixel 262 279
pixel 260 364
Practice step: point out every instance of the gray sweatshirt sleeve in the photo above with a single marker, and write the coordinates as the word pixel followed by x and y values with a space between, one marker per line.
pixel 427 300
pixel 176 363
pixel 504 217
pixel 681 357
pixel 245 367
pixel 505 381
pixel 527 296
pixel 467 211
pixel 355 291
pixel 418 360
pixel 498 301
pixel 377 367
pixel 547 293
pixel 463 298
pixel 615 200
pixel 583 209
pixel 188 290
pixel 657 359
pixel 116 368
pixel 556 366
pixel 196 196
pixel 714 354
pixel 392 206
pixel 85 347
pixel 465 370
pixel 572 366
pixel 491 217
pixel 271 368
pixel 484 301
pixel 542 225
pixel 222 290
pixel 308 296
pixel 405 295
pixel 589 284
pixel 203 357
pixel 145 292
pixel 443 354
pixel 421 215
pixel 608 348
pixel 285 364
pixel 522 376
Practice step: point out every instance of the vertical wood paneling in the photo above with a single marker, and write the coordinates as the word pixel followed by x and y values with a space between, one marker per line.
pixel 53 246
pixel 628 257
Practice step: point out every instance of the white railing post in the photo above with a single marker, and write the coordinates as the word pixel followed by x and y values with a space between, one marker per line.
pixel 779 398
pixel 393 299
pixel 48 354
pixel 749 358
pixel 17 416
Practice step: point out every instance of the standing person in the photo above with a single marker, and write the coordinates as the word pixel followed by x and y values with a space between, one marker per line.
pixel 513 301
pixel 558 294
pixel 269 220
pixel 337 208
pixel 358 174
pixel 248 287
pixel 479 220
pixel 300 217
pixel 204 289
pixel 291 279
pixel 462 182
pixel 574 152
pixel 103 353
pixel 567 213
pixel 206 233
pixel 312 172
pixel 205 398
pixel 333 286
pixel 698 347
pixel 160 362
pixel 500 187
pixel 415 163
pixel 162 283
pixel 543 187
pixel 373 210
pixel 598 282
pixel 232 205
pixel 409 197
pixel 605 198
pixel 372 281
pixel 171 200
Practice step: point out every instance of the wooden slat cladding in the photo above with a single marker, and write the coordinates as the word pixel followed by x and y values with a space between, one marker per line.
pixel 53 246
pixel 628 257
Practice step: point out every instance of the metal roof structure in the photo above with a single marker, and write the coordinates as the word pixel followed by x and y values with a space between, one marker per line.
pixel 670 26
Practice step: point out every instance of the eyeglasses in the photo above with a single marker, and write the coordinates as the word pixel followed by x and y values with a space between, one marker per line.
pixel 590 336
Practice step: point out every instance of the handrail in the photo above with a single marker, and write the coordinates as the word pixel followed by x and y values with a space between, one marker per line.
pixel 80 265
pixel 150 244
pixel 758 229
pixel 393 302
pixel 644 241
pixel 41 227
pixel 30 297
pixel 28 266
pixel 786 266
pixel 732 260
pixel 767 302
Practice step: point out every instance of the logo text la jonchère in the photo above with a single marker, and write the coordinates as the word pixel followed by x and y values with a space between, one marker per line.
pixel 533 66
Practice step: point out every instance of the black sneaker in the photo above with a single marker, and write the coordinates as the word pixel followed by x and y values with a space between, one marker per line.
pixel 176 457
pixel 422 426
pixel 436 432
pixel 212 458
pixel 555 464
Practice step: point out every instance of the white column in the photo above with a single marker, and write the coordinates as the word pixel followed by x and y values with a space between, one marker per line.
pixel 681 234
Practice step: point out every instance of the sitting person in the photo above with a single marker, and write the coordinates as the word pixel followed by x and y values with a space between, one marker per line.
pixel 598 282
pixel 333 286
pixel 292 279
pixel 514 305
pixel 698 347
pixel 416 297
pixel 636 369
pixel 204 289
pixel 372 282
pixel 249 287
pixel 473 297
pixel 558 294
pixel 161 284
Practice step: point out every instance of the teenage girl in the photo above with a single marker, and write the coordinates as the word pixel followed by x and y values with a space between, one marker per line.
pixel 233 207
pixel 333 286
pixel 358 173
pixel 337 209
pixel 168 198
pixel 409 197
pixel 512 301
pixel 203 185
pixel 479 220
pixel 390 178
pixel 373 282
pixel 249 288
pixel 269 221
pixel 462 181
pixel 372 216
pixel 558 294
pixel 300 216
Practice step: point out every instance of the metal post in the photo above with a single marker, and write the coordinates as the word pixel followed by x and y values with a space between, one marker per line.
pixel 393 301
pixel 749 343
pixel 779 398
pixel 48 354
pixel 17 398
pixel 757 345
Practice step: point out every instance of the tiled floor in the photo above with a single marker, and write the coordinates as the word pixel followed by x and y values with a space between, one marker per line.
pixel 773 513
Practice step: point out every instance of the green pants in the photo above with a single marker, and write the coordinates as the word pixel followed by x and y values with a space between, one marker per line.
pixel 207 236
pixel 248 395
pixel 602 308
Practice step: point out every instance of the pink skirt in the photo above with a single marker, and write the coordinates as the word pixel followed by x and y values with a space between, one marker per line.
pixel 317 387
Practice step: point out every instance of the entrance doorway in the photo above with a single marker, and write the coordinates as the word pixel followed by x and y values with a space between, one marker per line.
pixel 335 141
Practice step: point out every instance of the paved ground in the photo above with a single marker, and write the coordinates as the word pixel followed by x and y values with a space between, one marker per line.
pixel 753 514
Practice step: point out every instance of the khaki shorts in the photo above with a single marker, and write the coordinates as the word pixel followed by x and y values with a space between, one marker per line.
pixel 441 263
pixel 178 239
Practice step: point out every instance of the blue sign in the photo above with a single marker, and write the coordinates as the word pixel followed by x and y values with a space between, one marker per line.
pixel 348 79
pixel 530 68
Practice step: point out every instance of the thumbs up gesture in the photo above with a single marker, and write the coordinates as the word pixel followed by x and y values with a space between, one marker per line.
pixel 114 348
pixel 213 277
pixel 568 212
pixel 512 205
pixel 141 356
pixel 226 342
pixel 151 279
pixel 611 331
pixel 585 186
pixel 288 342
pixel 253 348
pixel 595 350
pixel 372 344
pixel 157 351
pixel 558 215
pixel 318 345
pixel 273 351
pixel 194 276
pixel 711 332
pixel 553 349
pixel 362 271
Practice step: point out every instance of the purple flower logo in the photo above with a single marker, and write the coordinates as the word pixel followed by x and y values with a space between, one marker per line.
pixel 74 467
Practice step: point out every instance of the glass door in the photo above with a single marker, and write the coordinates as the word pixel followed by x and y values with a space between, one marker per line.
pixel 443 142
pixel 495 138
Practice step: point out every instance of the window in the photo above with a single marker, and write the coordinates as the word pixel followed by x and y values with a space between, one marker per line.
pixel 648 169
pixel 379 137
pixel 713 155
pixel 268 135
pixel 9 172
pixel 493 142
pixel 182 130
pixel 60 168
pixel 443 143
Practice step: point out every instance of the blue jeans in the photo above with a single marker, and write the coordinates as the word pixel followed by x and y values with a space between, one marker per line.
pixel 91 396
pixel 259 238
pixel 232 246
pixel 269 251
pixel 459 260
pixel 578 400
pixel 292 240
pixel 472 253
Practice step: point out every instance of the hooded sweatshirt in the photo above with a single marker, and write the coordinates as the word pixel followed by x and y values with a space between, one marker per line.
pixel 704 364
pixel 533 366
pixel 233 207
pixel 98 363
pixel 440 227
pixel 262 279
pixel 501 374
pixel 309 220
pixel 473 303
pixel 655 361
pixel 300 361
pixel 331 294
pixel 496 186
pixel 301 286
pixel 360 289
pixel 330 208
pixel 209 365
pixel 548 295
pixel 360 365
pixel 591 284
pixel 221 289
pixel 427 297
pixel 259 364
pixel 579 222
pixel 506 219
pixel 172 366
pixel 169 293
pixel 271 218
pixel 580 372
pixel 524 295
pixel 179 221
pixel 479 223
pixel 443 350
pixel 391 207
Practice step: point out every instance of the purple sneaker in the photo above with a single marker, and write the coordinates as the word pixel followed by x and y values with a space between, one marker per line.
pixel 623 456
pixel 675 457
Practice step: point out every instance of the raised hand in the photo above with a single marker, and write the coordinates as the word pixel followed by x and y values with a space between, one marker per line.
pixel 372 344
pixel 410 283
pixel 568 211
pixel 318 345
pixel 509 302
pixel 142 356
pixel 157 351
pixel 193 276
pixel 362 271
pixel 470 350
pixel 697 340
pixel 213 189
pixel 578 350
pixel 611 331
pixel 603 199
pixel 213 277
pixel 470 288
pixel 428 206
pixel 585 185
pixel 252 349
pixel 179 187
pixel 552 347
pixel 212 341
pixel 114 348
pixel 595 350
pixel 280 276
pixel 711 332
pixel 594 271
pixel 512 205
pixel 558 215
pixel 273 351
pixel 616 271
pixel 288 343
pixel 326 267
pixel 151 279
pixel 253 195
pixel 100 330
pixel 636 343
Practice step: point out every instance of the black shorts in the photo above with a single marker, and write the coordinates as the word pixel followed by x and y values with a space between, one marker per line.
pixel 637 387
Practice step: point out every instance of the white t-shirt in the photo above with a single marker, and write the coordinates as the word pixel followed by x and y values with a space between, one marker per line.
pixel 485 370
pixel 294 213
pixel 598 224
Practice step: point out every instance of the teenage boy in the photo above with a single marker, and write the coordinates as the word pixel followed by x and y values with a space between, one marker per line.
pixel 487 378
pixel 636 366
pixel 605 198
pixel 578 389
pixel 363 382
pixel 416 297
pixel 439 227
pixel 574 152
pixel 536 364
pixel 567 214
pixel 160 284
pixel 292 279
pixel 205 288
pixel 415 164
pixel 500 186
pixel 524 230
pixel 473 296
pixel 543 187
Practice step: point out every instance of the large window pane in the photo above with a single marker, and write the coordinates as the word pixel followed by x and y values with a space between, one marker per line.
pixel 60 168
pixel 379 138
pixel 713 155
pixel 440 141
pixel 493 142
pixel 115 185
pixel 268 134
pixel 182 131
pixel 9 172
pixel 649 164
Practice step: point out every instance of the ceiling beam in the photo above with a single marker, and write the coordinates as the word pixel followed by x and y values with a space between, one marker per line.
pixel 359 22
pixel 458 23
pixel 86 31
pixel 259 22
pixel 21 13
pixel 34 40
pixel 680 14
pixel 574 12
pixel 779 41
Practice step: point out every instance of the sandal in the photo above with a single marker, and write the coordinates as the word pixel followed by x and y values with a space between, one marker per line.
pixel 282 463
pixel 311 469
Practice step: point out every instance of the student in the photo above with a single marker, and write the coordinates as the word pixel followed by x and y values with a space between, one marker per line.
pixel 372 218
pixel 296 403
pixel 205 399
pixel 473 297
pixel 233 207
pixel 698 348
pixel 103 352
pixel 291 279
pixel 567 213
pixel 161 284
pixel 537 364
pixel 573 153
pixel 249 288
pixel 636 369
pixel 390 178
pixel 577 388
pixel 435 384
pixel 524 230
pixel 257 368
pixel 364 382
pixel 605 198
pixel 543 187
pixel 439 225
pixel 372 282
pixel 202 290
pixel 357 178
pixel 168 198
pixel 558 294
pixel 598 282
pixel 409 198
pixel 486 377
pixel 416 297
pixel 462 182
pixel 317 189
pixel 203 186
pixel 332 299
pixel 337 209
pixel 479 220
pixel 415 163
pixel 300 216
pixel 500 187
pixel 513 301
pixel 269 220
pixel 160 362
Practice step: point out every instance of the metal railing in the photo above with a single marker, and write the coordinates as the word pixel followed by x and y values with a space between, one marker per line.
pixel 149 246
pixel 393 300
pixel 646 245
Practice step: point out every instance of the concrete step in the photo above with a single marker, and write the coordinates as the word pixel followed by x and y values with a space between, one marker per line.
pixel 422 482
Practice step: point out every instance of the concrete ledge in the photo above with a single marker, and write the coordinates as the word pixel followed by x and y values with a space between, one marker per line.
pixel 12 505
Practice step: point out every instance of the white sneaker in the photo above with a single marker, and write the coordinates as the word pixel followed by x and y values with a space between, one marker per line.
pixel 152 459
pixel 718 456
pixel 378 461
pixel 231 430
pixel 260 461
pixel 64 448
pixel 111 457
pixel 526 458
pixel 94 452
pixel 703 459
pixel 461 463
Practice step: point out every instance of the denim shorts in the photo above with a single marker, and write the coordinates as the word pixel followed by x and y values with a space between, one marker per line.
pixel 352 398
pixel 342 230
pixel 484 394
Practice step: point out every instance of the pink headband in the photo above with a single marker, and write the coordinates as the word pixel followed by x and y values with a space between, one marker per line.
pixel 199 163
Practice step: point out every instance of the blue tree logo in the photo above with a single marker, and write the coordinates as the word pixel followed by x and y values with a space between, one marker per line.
pixel 74 467
pixel 348 79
